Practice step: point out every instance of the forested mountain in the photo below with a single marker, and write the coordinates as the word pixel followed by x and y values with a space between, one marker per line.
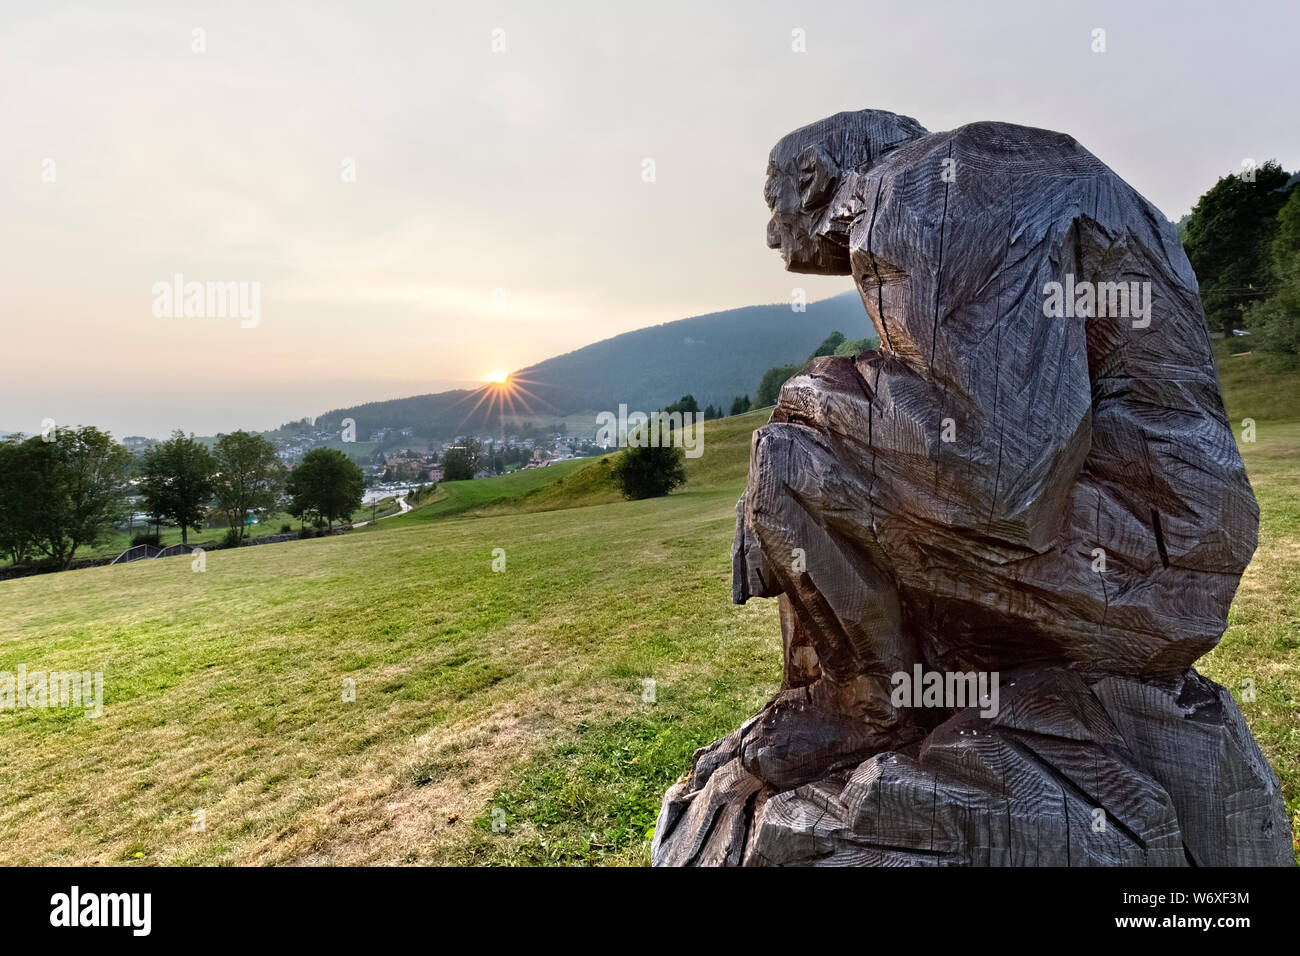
pixel 714 357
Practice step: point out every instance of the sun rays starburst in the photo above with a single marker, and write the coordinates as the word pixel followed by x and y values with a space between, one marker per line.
pixel 503 394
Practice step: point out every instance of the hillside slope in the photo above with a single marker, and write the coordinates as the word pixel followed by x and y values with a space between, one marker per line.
pixel 714 357
pixel 583 482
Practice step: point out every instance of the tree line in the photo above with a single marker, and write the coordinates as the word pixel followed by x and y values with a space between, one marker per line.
pixel 688 403
pixel 1243 240
pixel 67 489
pixel 183 482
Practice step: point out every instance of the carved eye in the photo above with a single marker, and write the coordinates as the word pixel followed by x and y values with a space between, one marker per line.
pixel 814 188
pixel 816 177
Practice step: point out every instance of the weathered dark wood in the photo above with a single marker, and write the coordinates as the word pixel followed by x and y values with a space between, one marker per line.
pixel 999 487
pixel 1120 771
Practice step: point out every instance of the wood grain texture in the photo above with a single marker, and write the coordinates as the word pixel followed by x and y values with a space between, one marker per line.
pixel 1119 771
pixel 1003 485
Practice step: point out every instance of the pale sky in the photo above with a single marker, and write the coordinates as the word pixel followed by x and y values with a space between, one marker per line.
pixel 518 170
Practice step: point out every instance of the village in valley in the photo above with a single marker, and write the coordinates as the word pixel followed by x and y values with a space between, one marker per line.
pixel 396 457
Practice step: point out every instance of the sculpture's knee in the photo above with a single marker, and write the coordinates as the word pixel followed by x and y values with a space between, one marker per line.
pixel 851 606
pixel 757 518
pixel 785 458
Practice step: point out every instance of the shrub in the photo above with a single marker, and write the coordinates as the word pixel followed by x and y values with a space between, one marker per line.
pixel 151 537
pixel 649 472
pixel 286 528
pixel 231 540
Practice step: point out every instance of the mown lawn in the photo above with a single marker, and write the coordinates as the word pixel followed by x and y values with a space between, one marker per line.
pixel 224 689
pixel 499 716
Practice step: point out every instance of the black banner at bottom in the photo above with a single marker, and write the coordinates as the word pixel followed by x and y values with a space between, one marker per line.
pixel 138 905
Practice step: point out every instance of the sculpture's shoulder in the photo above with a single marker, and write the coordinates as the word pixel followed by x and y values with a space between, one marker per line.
pixel 988 171
pixel 990 164
pixel 990 148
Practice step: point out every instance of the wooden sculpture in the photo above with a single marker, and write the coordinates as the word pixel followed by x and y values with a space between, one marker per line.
pixel 1032 488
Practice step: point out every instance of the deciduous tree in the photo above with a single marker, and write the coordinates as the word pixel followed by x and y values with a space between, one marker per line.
pixel 61 493
pixel 249 477
pixel 1228 242
pixel 327 484
pixel 177 481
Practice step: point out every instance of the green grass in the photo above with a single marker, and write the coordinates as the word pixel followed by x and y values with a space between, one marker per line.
pixel 459 497
pixel 1262 642
pixel 724 460
pixel 582 482
pixel 462 674
pixel 1258 385
pixel 519 691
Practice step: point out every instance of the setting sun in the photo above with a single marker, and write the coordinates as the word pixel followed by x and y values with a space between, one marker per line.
pixel 497 378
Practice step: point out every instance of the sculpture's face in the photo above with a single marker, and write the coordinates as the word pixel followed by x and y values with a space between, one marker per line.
pixel 800 185
pixel 805 170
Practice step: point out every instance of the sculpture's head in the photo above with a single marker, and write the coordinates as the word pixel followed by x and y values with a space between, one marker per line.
pixel 804 171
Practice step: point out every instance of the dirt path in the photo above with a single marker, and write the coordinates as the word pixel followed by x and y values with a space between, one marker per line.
pixel 401 503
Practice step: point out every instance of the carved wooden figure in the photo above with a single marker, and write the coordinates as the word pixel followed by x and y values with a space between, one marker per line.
pixel 1032 483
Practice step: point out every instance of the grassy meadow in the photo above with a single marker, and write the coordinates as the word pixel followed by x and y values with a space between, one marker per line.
pixel 500 717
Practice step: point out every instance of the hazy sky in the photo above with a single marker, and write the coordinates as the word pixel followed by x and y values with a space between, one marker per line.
pixel 518 171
